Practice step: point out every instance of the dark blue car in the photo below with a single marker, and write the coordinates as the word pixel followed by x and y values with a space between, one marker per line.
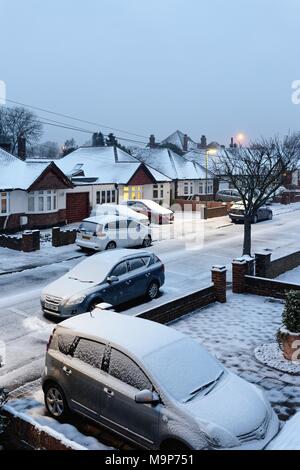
pixel 113 277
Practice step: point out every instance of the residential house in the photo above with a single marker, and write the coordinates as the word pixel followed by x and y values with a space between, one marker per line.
pixel 181 140
pixel 109 175
pixel 32 195
pixel 188 177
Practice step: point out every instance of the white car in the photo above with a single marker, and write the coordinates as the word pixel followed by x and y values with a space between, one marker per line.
pixel 109 231
pixel 121 210
pixel 157 214
pixel 152 385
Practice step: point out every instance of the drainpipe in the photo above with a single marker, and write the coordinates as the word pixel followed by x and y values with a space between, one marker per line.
pixel 5 222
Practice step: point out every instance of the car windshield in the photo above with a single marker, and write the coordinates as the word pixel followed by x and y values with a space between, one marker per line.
pixel 90 271
pixel 89 227
pixel 184 368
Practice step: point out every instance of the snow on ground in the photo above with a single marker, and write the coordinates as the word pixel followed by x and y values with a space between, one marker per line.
pixel 33 410
pixel 292 277
pixel 232 331
pixel 271 355
pixel 289 437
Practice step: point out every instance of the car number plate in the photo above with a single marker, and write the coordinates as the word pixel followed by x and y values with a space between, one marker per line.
pixel 51 307
pixel 85 237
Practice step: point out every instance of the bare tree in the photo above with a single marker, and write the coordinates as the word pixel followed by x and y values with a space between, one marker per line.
pixel 47 150
pixel 19 122
pixel 257 173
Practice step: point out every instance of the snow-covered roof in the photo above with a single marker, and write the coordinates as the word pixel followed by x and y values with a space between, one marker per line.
pixel 177 138
pixel 170 163
pixel 106 164
pixel 125 331
pixel 18 174
pixel 199 157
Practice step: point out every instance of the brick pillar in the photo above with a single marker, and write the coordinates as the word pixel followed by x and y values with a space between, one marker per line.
pixel 56 237
pixel 31 241
pixel 262 262
pixel 219 280
pixel 239 271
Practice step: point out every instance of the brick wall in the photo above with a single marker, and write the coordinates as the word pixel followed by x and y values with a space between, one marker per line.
pixel 62 238
pixel 272 269
pixel 181 306
pixel 10 223
pixel 29 242
pixel 47 220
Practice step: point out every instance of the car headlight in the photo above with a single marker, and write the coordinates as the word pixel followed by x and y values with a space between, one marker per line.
pixel 218 437
pixel 76 300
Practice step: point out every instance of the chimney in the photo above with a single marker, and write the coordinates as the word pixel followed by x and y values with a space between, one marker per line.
pixel 152 143
pixel 22 148
pixel 94 139
pixel 185 143
pixel 203 142
pixel 231 143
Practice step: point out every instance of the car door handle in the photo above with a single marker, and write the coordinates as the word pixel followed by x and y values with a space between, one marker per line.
pixel 67 371
pixel 108 392
pixel 128 283
pixel 148 274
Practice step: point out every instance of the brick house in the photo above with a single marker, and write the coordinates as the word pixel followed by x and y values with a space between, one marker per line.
pixel 32 195
pixel 109 175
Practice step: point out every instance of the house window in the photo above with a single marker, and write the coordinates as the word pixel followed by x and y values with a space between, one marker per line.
pixel 186 189
pixel 42 201
pixel 158 191
pixel 132 192
pixel 106 197
pixel 4 203
pixel 202 187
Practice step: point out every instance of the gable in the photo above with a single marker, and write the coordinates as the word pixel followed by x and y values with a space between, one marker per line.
pixel 141 176
pixel 51 178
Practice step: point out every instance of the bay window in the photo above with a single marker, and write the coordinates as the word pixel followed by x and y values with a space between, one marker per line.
pixel 42 201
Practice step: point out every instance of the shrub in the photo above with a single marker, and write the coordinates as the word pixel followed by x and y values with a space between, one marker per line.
pixel 291 314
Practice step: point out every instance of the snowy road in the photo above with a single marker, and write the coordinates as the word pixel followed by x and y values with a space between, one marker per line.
pixel 188 263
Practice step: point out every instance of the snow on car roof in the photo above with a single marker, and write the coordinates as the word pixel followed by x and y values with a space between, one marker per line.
pixel 152 205
pixel 104 219
pixel 138 336
pixel 96 267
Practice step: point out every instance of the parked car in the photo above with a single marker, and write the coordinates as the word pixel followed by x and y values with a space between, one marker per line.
pixel 228 195
pixel 152 385
pixel 237 213
pixel 112 277
pixel 121 210
pixel 110 231
pixel 156 214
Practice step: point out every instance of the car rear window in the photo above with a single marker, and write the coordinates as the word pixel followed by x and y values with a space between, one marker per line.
pixel 90 227
pixel 90 352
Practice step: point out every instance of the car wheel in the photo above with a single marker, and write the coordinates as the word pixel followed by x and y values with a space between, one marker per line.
pixel 153 290
pixel 55 402
pixel 255 219
pixel 147 242
pixel 111 246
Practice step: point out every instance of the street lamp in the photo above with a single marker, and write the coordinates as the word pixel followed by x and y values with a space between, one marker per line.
pixel 207 154
pixel 240 138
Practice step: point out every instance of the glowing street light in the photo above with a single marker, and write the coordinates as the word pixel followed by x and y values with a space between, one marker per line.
pixel 240 138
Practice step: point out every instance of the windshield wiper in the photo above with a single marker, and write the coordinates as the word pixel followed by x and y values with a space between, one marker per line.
pixel 80 280
pixel 194 393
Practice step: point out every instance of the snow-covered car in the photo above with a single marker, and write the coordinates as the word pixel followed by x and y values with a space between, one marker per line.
pixel 237 213
pixel 108 232
pixel 121 210
pixel 112 277
pixel 153 385
pixel 156 213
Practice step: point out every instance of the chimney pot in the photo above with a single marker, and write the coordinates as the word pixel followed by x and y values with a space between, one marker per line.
pixel 22 148
pixel 185 143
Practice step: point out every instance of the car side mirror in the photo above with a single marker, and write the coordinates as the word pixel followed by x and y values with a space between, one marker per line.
pixel 147 397
pixel 112 279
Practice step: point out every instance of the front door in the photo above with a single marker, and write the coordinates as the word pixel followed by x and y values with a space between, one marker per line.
pixel 117 292
pixel 83 378
pixel 124 379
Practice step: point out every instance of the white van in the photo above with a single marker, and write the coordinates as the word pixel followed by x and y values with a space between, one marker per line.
pixel 110 231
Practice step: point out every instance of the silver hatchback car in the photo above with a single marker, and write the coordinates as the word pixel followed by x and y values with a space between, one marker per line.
pixel 152 385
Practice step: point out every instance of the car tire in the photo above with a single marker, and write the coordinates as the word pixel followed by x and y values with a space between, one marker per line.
pixel 55 402
pixel 255 219
pixel 147 242
pixel 153 290
pixel 111 246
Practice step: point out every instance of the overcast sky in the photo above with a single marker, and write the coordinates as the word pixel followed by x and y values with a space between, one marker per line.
pixel 209 67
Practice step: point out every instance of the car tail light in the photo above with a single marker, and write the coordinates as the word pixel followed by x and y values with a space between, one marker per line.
pixel 101 234
pixel 50 340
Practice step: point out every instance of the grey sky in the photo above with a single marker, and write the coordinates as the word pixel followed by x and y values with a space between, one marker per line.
pixel 211 66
